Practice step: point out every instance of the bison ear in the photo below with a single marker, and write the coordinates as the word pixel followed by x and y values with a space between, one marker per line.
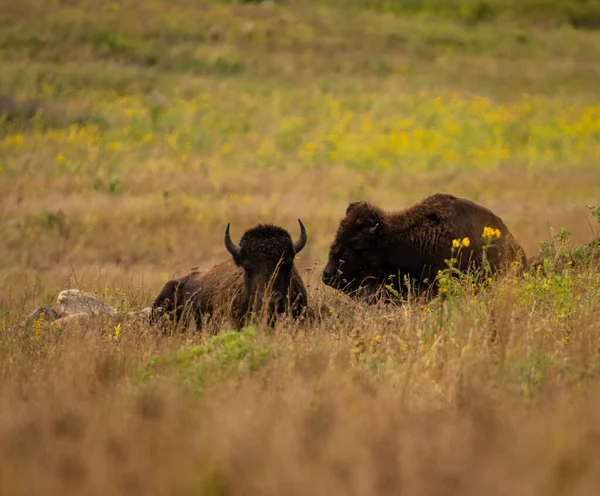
pixel 353 205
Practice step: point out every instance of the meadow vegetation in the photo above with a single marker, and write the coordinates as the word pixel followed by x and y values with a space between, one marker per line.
pixel 131 133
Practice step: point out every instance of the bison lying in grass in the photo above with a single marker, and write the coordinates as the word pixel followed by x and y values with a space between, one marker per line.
pixel 372 247
pixel 261 271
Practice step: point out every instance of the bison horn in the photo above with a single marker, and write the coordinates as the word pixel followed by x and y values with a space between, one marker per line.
pixel 301 242
pixel 375 228
pixel 230 245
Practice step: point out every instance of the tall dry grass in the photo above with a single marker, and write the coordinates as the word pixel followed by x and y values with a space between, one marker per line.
pixel 494 392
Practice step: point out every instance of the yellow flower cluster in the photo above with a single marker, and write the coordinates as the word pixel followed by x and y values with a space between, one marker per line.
pixel 461 243
pixel 447 132
pixel 490 233
pixel 418 133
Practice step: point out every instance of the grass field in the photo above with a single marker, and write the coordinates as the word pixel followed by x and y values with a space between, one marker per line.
pixel 131 133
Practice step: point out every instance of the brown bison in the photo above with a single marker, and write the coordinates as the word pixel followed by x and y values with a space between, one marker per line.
pixel 261 268
pixel 373 247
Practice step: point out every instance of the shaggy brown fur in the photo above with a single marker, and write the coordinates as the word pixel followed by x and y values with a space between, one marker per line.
pixel 263 266
pixel 373 247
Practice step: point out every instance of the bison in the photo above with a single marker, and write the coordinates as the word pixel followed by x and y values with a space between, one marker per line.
pixel 373 247
pixel 261 269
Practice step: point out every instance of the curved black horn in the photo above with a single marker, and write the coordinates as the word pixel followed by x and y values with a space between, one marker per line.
pixel 230 245
pixel 301 242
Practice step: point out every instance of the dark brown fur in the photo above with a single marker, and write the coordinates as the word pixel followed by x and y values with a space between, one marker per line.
pixel 265 264
pixel 373 247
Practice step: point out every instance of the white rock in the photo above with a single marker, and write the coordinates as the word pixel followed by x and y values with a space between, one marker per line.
pixel 143 314
pixel 75 318
pixel 50 315
pixel 73 301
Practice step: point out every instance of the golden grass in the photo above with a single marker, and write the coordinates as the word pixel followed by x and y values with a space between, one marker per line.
pixel 163 121
pixel 369 401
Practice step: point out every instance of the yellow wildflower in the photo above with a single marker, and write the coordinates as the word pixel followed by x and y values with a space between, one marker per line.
pixel 115 146
pixel 449 156
pixel 226 149
pixel 405 123
pixel 490 232
pixel 173 139
pixel 455 243
pixel 418 134
pixel 60 158
pixel 365 124
pixel 466 242
pixel 15 139
pixel 310 147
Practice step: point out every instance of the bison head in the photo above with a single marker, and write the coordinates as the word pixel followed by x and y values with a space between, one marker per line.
pixel 355 256
pixel 266 253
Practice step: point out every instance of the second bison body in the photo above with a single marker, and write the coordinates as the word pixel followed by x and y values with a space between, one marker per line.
pixel 373 247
